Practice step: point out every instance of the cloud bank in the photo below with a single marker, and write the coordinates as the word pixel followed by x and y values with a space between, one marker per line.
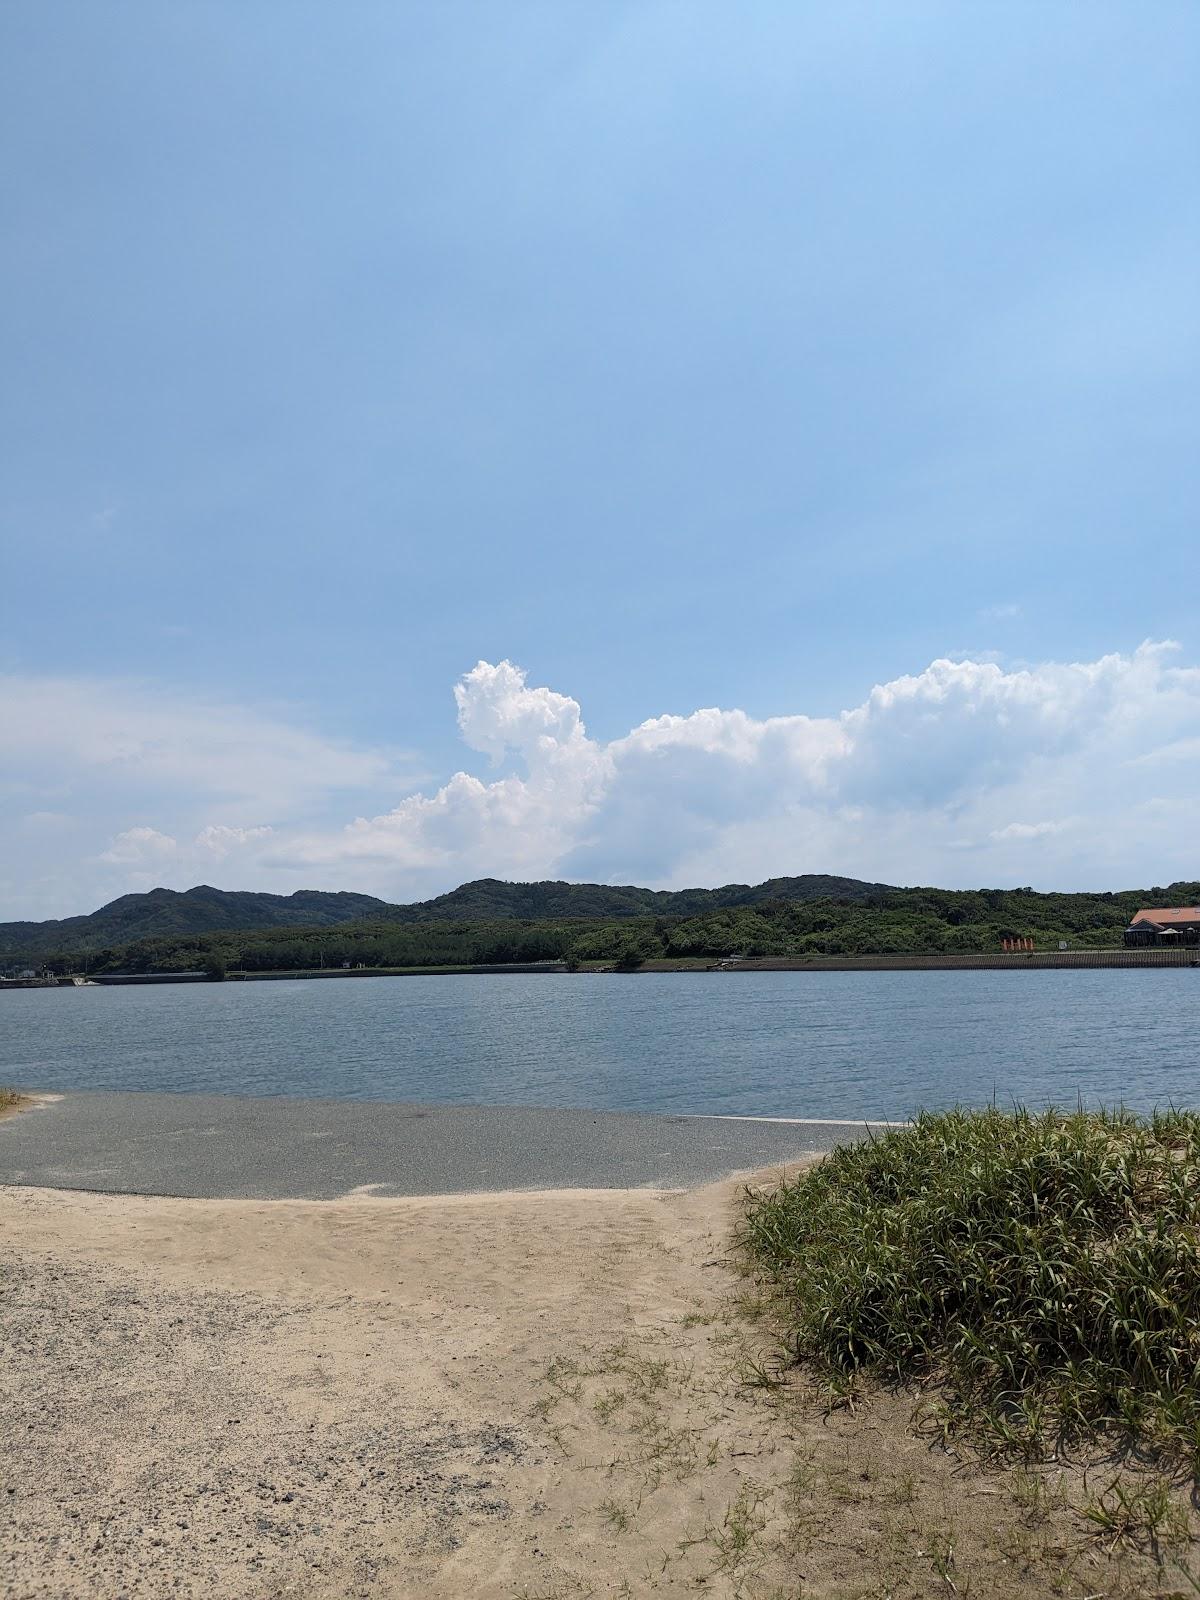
pixel 964 772
pixel 1059 775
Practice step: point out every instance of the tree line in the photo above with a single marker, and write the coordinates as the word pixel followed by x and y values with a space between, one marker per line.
pixel 897 922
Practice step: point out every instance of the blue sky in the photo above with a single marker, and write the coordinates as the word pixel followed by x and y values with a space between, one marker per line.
pixel 684 356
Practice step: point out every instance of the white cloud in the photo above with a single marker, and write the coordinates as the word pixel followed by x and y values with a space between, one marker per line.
pixel 497 712
pixel 220 840
pixel 111 757
pixel 1027 830
pixel 1063 774
pixel 152 852
pixel 522 821
pixel 917 783
pixel 138 847
pixel 117 736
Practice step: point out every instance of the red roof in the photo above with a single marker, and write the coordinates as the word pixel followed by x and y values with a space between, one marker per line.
pixel 1165 916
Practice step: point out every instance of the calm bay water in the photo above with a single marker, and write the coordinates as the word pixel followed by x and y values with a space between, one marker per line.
pixel 755 1044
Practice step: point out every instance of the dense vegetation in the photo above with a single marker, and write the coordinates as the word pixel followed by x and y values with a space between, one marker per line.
pixel 162 913
pixel 870 920
pixel 1045 1267
pixel 487 898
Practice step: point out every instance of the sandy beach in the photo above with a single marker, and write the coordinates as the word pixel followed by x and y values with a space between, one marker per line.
pixel 512 1395
pixel 496 1396
pixel 337 1398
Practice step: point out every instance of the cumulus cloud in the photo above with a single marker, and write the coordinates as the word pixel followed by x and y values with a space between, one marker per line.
pixel 140 847
pixel 498 712
pixel 919 781
pixel 147 855
pixel 1027 830
pixel 1065 774
pixel 523 821
pixel 220 840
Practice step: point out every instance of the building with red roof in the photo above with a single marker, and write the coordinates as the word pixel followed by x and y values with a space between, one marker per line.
pixel 1165 925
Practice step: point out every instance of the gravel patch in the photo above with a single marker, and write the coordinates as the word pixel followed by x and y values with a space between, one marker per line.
pixel 144 1455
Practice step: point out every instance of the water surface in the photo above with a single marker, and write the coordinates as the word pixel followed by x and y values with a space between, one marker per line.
pixel 837 1044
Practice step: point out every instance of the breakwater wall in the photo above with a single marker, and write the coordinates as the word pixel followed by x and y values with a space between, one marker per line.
pixel 1022 961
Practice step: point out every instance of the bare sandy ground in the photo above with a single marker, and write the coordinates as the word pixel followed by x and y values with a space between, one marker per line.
pixel 535 1395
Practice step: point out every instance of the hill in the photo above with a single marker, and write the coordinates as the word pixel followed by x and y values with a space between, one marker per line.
pixel 489 898
pixel 490 922
pixel 162 913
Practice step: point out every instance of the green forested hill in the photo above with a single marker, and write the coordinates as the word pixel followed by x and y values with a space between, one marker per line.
pixel 488 898
pixel 612 926
pixel 164 912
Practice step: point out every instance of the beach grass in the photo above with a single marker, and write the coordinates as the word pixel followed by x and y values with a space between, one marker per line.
pixel 10 1100
pixel 1039 1271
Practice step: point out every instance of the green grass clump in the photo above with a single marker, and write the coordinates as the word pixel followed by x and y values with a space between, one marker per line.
pixel 1045 1266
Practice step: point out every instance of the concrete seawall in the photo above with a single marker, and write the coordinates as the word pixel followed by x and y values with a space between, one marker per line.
pixel 1024 961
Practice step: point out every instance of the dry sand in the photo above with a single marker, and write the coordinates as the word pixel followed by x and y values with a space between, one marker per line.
pixel 537 1395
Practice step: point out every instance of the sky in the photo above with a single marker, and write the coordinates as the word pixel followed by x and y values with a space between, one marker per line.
pixel 668 443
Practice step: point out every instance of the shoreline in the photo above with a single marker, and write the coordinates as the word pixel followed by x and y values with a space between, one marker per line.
pixel 1024 961
pixel 331 1398
pixel 552 1395
pixel 260 1148
pixel 556 1394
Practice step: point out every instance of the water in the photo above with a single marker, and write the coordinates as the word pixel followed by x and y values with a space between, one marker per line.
pixel 839 1044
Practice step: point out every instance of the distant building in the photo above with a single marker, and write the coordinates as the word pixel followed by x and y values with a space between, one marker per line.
pixel 1164 925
